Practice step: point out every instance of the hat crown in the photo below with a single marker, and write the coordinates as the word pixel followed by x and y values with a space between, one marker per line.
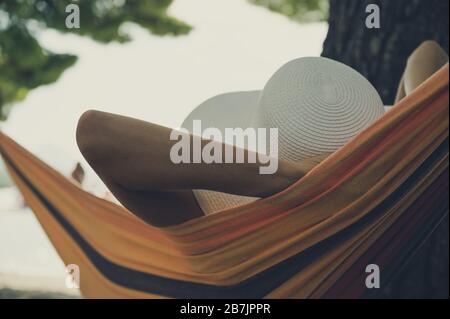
pixel 317 104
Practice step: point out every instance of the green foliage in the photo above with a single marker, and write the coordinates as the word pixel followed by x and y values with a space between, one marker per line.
pixel 298 10
pixel 25 65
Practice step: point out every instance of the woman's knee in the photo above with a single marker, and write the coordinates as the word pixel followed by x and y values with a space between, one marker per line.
pixel 87 130
pixel 429 45
pixel 428 52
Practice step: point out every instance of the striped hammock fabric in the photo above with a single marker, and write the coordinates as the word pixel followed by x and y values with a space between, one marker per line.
pixel 366 203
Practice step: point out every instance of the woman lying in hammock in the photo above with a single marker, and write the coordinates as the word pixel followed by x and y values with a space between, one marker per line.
pixel 316 104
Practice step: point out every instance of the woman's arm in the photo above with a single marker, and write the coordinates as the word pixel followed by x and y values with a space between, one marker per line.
pixel 132 157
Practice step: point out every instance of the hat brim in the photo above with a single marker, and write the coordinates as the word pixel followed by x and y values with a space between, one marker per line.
pixel 229 110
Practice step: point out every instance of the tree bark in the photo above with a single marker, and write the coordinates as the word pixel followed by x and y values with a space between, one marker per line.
pixel 381 55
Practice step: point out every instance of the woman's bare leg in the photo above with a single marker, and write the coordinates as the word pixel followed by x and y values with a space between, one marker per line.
pixel 132 158
pixel 428 58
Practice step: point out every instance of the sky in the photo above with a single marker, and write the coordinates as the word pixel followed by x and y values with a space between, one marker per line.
pixel 234 46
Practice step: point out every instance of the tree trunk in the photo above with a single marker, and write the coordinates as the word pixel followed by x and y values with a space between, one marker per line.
pixel 381 55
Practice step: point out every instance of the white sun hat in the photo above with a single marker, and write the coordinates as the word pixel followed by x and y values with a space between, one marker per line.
pixel 317 105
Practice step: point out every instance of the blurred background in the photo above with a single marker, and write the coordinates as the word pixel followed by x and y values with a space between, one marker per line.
pixel 157 60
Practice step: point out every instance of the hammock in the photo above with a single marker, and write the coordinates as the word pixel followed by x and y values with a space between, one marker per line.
pixel 367 203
